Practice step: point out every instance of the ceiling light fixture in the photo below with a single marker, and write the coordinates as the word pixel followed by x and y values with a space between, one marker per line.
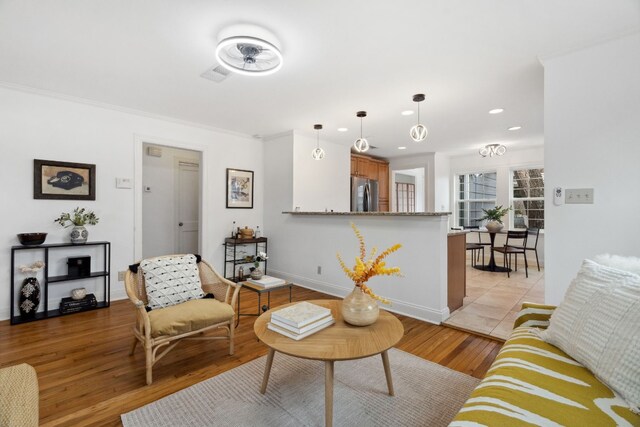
pixel 515 128
pixel 402 148
pixel 361 144
pixel 493 150
pixel 317 153
pixel 342 129
pixel 496 111
pixel 418 132
pixel 407 113
pixel 250 56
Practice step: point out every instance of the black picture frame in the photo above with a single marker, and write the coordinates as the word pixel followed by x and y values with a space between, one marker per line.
pixel 55 180
pixel 239 189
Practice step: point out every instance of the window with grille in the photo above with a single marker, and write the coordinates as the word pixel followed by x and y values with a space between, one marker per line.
pixel 475 192
pixel 527 191
pixel 405 197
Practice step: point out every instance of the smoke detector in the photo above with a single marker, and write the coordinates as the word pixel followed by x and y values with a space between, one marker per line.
pixel 248 50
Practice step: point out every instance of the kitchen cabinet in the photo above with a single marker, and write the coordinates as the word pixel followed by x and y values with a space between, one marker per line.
pixel 383 186
pixel 457 270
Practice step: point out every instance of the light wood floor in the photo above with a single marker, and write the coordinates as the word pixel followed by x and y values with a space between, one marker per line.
pixel 87 377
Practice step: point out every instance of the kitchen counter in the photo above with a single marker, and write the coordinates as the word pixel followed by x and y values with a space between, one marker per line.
pixel 413 214
pixel 457 232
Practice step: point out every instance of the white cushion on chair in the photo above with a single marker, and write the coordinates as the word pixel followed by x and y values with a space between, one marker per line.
pixel 597 325
pixel 171 280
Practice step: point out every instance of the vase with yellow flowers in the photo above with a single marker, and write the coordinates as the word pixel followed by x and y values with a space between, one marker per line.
pixel 360 307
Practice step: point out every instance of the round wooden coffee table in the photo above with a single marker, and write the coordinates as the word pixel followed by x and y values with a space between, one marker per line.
pixel 337 342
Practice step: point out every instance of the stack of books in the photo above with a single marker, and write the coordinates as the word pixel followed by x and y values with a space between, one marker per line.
pixel 300 320
pixel 70 305
pixel 267 281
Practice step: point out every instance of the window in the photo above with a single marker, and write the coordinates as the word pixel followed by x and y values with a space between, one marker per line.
pixel 476 191
pixel 528 198
pixel 405 197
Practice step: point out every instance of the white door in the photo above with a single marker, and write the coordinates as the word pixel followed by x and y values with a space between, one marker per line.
pixel 187 207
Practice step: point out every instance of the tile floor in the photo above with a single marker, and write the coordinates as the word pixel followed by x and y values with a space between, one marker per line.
pixel 493 300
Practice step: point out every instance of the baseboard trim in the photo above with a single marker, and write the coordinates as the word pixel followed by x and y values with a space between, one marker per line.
pixel 415 311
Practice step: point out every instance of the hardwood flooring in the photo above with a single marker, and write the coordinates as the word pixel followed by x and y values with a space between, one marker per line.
pixel 87 377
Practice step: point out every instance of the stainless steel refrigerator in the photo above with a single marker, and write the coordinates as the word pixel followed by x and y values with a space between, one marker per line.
pixel 364 195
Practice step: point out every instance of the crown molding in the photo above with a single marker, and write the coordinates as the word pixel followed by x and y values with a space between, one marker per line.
pixel 118 108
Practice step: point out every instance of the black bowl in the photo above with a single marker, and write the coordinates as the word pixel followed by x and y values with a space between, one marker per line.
pixel 32 239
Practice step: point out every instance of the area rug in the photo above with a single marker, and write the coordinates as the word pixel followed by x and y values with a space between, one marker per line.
pixel 426 394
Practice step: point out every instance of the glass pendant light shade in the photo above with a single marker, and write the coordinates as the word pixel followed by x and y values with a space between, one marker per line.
pixel 317 153
pixel 361 144
pixel 418 132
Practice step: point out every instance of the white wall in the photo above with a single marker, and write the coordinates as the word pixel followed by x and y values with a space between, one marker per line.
pixel 35 126
pixel 424 161
pixel 592 140
pixel 158 205
pixel 321 184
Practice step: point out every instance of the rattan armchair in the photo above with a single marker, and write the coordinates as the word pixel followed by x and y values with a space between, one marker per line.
pixel 153 339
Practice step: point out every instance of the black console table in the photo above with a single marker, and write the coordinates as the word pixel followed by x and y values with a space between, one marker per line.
pixel 232 257
pixel 105 275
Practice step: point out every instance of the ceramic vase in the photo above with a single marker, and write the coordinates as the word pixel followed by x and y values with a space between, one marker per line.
pixel 494 226
pixel 79 235
pixel 359 309
pixel 256 274
pixel 29 298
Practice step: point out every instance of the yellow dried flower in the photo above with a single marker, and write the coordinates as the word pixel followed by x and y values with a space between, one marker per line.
pixel 364 269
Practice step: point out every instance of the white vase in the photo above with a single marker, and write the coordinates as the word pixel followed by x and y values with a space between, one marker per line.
pixel 494 226
pixel 79 235
pixel 359 309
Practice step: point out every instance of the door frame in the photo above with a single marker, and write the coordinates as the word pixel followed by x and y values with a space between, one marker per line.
pixel 205 216
pixel 176 211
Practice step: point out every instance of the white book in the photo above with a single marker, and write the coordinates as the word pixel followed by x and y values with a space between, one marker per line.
pixel 301 314
pixel 304 329
pixel 267 281
pixel 295 336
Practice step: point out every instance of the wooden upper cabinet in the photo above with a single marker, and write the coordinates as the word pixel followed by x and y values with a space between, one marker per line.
pixel 354 166
pixel 371 169
pixel 383 180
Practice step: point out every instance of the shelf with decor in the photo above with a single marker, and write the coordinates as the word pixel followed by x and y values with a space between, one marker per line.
pixel 54 251
pixel 234 247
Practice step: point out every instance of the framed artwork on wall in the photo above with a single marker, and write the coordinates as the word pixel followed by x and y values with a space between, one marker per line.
pixel 239 189
pixel 63 180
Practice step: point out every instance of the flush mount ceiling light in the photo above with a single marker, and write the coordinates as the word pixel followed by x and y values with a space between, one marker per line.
pixel 493 150
pixel 515 128
pixel 342 129
pixel 402 148
pixel 407 113
pixel 418 132
pixel 250 56
pixel 361 144
pixel 496 111
pixel 317 153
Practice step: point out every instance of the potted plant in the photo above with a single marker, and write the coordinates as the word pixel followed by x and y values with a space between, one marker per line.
pixel 78 219
pixel 256 272
pixel 493 217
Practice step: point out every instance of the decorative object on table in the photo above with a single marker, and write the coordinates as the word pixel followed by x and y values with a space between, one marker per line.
pixel 30 290
pixel 246 233
pixel 418 132
pixel 267 281
pixel 72 305
pixel 257 233
pixel 78 293
pixel 359 308
pixel 317 153
pixel 240 274
pixel 79 266
pixel 256 273
pixel 32 239
pixel 300 320
pixel 493 217
pixel 78 219
pixel 239 189
pixel 63 180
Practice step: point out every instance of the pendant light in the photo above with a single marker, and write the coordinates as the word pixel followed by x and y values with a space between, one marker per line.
pixel 418 132
pixel 361 144
pixel 493 150
pixel 317 153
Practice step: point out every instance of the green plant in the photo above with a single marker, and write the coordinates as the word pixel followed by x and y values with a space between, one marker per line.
pixel 79 217
pixel 495 214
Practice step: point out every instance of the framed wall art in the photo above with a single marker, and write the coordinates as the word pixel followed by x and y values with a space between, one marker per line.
pixel 239 189
pixel 63 180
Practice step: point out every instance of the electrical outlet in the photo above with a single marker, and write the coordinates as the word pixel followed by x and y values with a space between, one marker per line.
pixel 319 270
pixel 121 276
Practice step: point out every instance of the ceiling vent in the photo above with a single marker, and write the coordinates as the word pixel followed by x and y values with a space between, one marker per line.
pixel 217 73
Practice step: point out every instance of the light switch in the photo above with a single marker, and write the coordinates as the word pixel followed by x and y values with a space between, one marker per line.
pixel 579 196
pixel 124 183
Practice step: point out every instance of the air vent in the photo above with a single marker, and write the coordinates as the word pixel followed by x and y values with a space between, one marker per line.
pixel 216 73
